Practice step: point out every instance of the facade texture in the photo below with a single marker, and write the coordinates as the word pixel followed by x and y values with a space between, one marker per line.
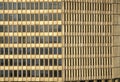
pixel 60 40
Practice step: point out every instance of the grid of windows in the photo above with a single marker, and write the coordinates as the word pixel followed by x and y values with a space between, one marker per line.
pixel 30 62
pixel 30 28
pixel 31 39
pixel 45 50
pixel 30 73
pixel 30 5
pixel 31 17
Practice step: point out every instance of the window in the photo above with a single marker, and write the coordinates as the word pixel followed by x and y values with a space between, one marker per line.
pixel 23 28
pixel 5 17
pixel 50 5
pixel 14 28
pixel 54 5
pixel 41 28
pixel 59 62
pixel 19 73
pixel 32 5
pixel 50 28
pixel 10 28
pixel 6 50
pixel 10 39
pixel 28 62
pixel 45 5
pixel 15 39
pixel 1 73
pixel 46 62
pixel 46 39
pixel 19 62
pixel 11 62
pixel 14 6
pixel 23 17
pixel 1 50
pixel 37 73
pixel 46 50
pixel 24 62
pixel 32 28
pixel 1 17
pixel 33 62
pixel 19 5
pixel 23 5
pixel 32 51
pixel 59 73
pixel 55 62
pixel 6 62
pixel 41 62
pixel 32 39
pixel 27 5
pixel 59 51
pixel 15 73
pixel 19 28
pixel 24 73
pixel 54 17
pixel 24 50
pixel 46 28
pixel 46 73
pixel 28 73
pixel 28 17
pixel 36 5
pixel 1 28
pixel 41 73
pixel 37 62
pixel 50 73
pixel 55 28
pixel 59 39
pixel 19 17
pixel 15 50
pixel 1 40
pixel 59 28
pixel 1 62
pixel 41 39
pixel 36 17
pixel 55 50
pixel 6 39
pixel 5 6
pixel 59 16
pixel 15 62
pixel 59 5
pixel 41 5
pixel 50 17
pixel 50 39
pixel 55 39
pixel 33 73
pixel 10 5
pixel 50 50
pixel 50 62
pixel 37 50
pixel 45 17
pixel 28 28
pixel 36 28
pixel 32 17
pixel 6 73
pixel 55 73
pixel 1 5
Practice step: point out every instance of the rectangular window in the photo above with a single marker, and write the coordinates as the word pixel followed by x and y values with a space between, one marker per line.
pixel 54 5
pixel 1 28
pixel 32 5
pixel 41 5
pixel 41 62
pixel 46 62
pixel 1 5
pixel 27 5
pixel 23 5
pixel 1 17
pixel 5 17
pixel 50 5
pixel 41 17
pixel 14 6
pixel 59 5
pixel 36 5
pixel 19 5
pixel 45 5
pixel 50 62
pixel 5 6
pixel 41 28
pixel 41 50
pixel 10 6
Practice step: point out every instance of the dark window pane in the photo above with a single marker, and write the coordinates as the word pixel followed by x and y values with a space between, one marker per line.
pixel 6 62
pixel 46 73
pixel 19 5
pixel 5 17
pixel 15 39
pixel 59 39
pixel 23 5
pixel 10 28
pixel 45 5
pixel 46 50
pixel 15 73
pixel 36 17
pixel 37 40
pixel 1 17
pixel 46 28
pixel 55 73
pixel 19 28
pixel 41 50
pixel 59 73
pixel 28 17
pixel 11 62
pixel 28 73
pixel 24 62
pixel 19 17
pixel 37 50
pixel 55 28
pixel 5 6
pixel 45 17
pixel 50 17
pixel 50 73
pixel 50 62
pixel 32 28
pixel 19 73
pixel 28 62
pixel 59 5
pixel 37 62
pixel 32 5
pixel 59 51
pixel 41 17
pixel 55 62
pixel 28 28
pixel 23 28
pixel 50 39
pixel 32 51
pixel 36 5
pixel 1 73
pixel 59 16
pixel 10 73
pixel 1 40
pixel 50 50
pixel 41 39
pixel 24 50
pixel 1 5
pixel 27 5
pixel 1 50
pixel 33 73
pixel 55 50
pixel 36 28
pixel 10 6
pixel 59 28
pixel 19 39
pixel 6 73
pixel 59 62
pixel 6 50
pixel 33 62
pixel 14 6
pixel 32 17
pixel 6 39
pixel 23 17
pixel 41 5
pixel 41 62
pixel 15 50
pixel 10 39
pixel 41 73
pixel 24 73
pixel 46 62
pixel 28 50
pixel 28 39
pixel 19 62
pixel 37 73
pixel 46 39
pixel 41 28
pixel 10 51
pixel 54 5
pixel 1 62
pixel 32 39
pixel 1 28
pixel 50 5
pixel 55 39
pixel 50 28
pixel 15 28
pixel 15 62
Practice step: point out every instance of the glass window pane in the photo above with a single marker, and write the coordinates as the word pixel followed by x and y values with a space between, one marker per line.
pixel 32 28
pixel 15 28
pixel 41 17
pixel 36 17
pixel 59 16
pixel 37 40
pixel 10 17
pixel 50 62
pixel 1 5
pixel 19 17
pixel 55 39
pixel 6 39
pixel 54 5
pixel 19 5
pixel 59 62
pixel 41 62
pixel 55 73
pixel 50 51
pixel 41 5
pixel 46 73
pixel 45 28
pixel 10 5
pixel 28 17
pixel 59 5
pixel 50 28
pixel 46 50
pixel 5 17
pixel 15 62
pixel 23 28
pixel 32 17
pixel 14 6
pixel 1 28
pixel 59 51
pixel 28 62
pixel 50 5
pixel 32 5
pixel 59 28
pixel 1 17
pixel 41 28
pixel 59 39
pixel 32 51
pixel 37 62
pixel 28 50
pixel 32 39
pixel 55 50
pixel 36 28
pixel 45 5
pixel 28 28
pixel 45 17
pixel 5 6
pixel 15 39
pixel 55 28
pixel 54 17
pixel 41 73
pixel 28 39
pixel 23 17
pixel 23 5
pixel 10 39
pixel 50 17
pixel 37 50
pixel 50 39
pixel 6 28
pixel 10 51
pixel 36 5
pixel 41 50
pixel 37 73
pixel 15 17
pixel 27 5
pixel 41 39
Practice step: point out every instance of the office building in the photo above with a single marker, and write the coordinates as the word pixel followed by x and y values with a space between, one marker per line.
pixel 60 40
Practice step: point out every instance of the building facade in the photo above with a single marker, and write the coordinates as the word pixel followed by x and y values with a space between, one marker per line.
pixel 60 40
